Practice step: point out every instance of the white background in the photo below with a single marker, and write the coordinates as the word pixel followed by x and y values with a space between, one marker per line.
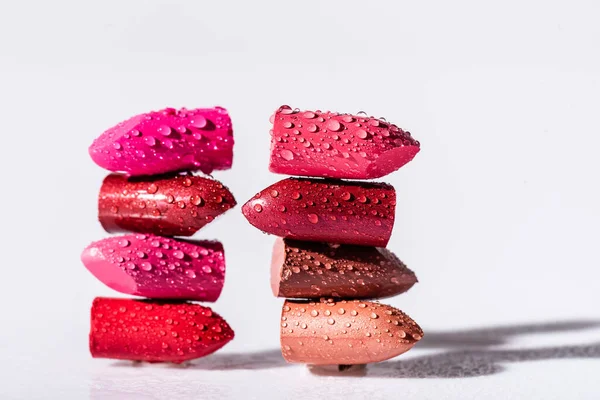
pixel 498 215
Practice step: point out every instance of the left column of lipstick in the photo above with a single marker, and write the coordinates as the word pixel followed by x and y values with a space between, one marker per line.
pixel 153 196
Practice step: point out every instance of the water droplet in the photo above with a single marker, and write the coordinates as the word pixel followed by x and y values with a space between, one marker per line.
pixel 170 199
pixel 354 313
pixel 374 316
pixel 325 337
pixel 135 133
pixel 117 146
pixel 190 273
pixel 123 242
pixel 141 254
pixel 309 115
pixel 164 130
pixel 146 266
pixel 258 208
pixel 207 269
pixel 330 321
pixel 333 125
pixel 178 254
pixel 287 155
pixel 313 218
pixel 361 133
pixel 362 198
pixel 296 195
pixel 374 122
pixel 312 128
pixel 295 270
pixel 187 182
pixel 274 193
pixel 196 200
pixel 341 311
pixel 314 313
pixel 149 140
pixel 288 125
pixel 198 121
pixel 346 196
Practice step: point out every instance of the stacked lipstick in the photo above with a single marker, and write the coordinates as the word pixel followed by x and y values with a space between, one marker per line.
pixel 331 252
pixel 151 197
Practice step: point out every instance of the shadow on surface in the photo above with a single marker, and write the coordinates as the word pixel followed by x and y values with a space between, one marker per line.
pixel 500 335
pixel 467 354
pixel 220 361
pixel 230 361
pixel 471 363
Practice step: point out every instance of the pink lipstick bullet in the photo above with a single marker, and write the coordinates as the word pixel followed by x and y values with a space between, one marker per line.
pixel 165 141
pixel 333 145
pixel 158 267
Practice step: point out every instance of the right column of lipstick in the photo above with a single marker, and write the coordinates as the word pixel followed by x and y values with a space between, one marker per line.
pixel 330 258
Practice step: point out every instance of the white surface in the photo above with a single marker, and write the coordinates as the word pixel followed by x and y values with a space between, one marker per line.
pixel 498 215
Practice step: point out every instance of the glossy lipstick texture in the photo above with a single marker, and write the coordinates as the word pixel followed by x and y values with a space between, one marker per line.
pixel 322 210
pixel 158 267
pixel 176 205
pixel 344 332
pixel 168 140
pixel 155 331
pixel 334 145
pixel 314 270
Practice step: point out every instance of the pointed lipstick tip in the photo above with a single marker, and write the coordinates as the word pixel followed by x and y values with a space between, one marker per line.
pixel 158 267
pixel 345 332
pixel 155 331
pixel 166 205
pixel 324 210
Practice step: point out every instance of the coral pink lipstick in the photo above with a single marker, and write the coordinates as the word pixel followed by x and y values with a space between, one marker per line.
pixel 333 145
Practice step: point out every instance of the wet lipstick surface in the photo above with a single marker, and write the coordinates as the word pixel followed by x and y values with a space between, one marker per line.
pixel 155 331
pixel 322 210
pixel 313 270
pixel 158 267
pixel 155 195
pixel 333 145
pixel 345 332
pixel 177 205
pixel 332 237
